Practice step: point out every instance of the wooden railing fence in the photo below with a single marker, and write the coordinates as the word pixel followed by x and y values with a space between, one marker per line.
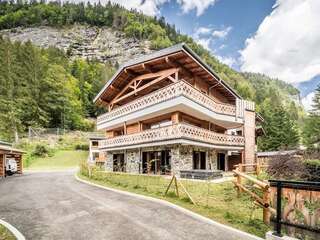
pixel 257 189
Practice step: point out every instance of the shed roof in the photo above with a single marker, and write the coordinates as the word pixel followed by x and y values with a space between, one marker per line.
pixel 276 153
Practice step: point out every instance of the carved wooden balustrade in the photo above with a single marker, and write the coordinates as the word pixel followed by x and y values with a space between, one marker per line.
pixel 172 132
pixel 180 88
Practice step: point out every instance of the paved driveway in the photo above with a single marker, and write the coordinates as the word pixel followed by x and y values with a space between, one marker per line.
pixel 56 206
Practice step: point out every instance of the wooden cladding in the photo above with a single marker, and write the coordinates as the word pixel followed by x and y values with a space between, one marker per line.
pixel 2 166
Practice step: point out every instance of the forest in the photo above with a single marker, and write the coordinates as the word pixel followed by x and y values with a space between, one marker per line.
pixel 44 88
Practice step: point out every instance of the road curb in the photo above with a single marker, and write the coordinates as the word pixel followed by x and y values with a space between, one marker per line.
pixel 176 207
pixel 13 230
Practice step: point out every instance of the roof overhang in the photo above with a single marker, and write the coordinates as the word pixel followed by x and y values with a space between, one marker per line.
pixel 132 67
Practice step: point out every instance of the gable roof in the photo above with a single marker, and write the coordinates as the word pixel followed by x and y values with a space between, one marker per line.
pixel 176 49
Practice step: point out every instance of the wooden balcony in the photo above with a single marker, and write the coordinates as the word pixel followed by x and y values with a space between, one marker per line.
pixel 173 132
pixel 180 88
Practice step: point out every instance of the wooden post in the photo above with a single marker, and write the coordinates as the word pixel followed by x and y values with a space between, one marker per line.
pixel 266 209
pixel 239 183
pixel 258 168
pixel 176 184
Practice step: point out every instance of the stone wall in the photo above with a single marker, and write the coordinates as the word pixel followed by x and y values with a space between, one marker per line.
pixel 109 162
pixel 132 160
pixel 181 158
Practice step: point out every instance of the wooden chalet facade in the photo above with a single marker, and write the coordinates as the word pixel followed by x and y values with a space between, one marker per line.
pixel 168 111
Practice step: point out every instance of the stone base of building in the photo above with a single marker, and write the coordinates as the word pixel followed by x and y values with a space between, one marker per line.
pixel 170 159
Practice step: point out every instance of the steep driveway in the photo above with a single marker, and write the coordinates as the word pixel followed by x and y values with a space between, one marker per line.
pixel 54 205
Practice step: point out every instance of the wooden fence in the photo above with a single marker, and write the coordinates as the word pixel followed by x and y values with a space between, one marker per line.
pixel 258 190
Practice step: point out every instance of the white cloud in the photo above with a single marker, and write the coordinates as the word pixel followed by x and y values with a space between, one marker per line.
pixel 206 35
pixel 230 61
pixel 199 5
pixel 205 42
pixel 307 101
pixel 286 44
pixel 222 33
pixel 202 31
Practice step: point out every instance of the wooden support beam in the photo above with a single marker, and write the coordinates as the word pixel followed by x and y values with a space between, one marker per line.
pixel 147 68
pixel 164 74
pixel 141 78
pixel 130 72
pixel 178 65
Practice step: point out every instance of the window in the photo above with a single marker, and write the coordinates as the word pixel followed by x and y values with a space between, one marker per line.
pixel 161 124
pixel 199 160
pixel 119 164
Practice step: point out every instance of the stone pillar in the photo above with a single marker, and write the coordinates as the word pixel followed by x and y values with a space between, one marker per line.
pixel 181 159
pixel 249 135
pixel 133 160
pixel 109 162
pixel 213 159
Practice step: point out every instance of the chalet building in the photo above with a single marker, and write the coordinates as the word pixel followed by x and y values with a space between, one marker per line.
pixel 170 112
pixel 96 157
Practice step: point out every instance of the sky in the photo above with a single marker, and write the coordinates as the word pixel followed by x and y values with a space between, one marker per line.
pixel 280 38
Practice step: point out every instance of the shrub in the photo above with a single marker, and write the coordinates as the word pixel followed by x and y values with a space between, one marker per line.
pixel 287 167
pixel 41 150
pixel 82 146
pixel 313 169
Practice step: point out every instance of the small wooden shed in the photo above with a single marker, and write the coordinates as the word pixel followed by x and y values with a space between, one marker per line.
pixel 7 151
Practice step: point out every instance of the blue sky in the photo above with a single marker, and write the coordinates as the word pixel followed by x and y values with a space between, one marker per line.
pixel 241 17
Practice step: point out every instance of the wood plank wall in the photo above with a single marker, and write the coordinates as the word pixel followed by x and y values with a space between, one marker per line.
pixel 2 165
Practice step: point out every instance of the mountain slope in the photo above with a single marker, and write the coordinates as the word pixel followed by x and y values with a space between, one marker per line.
pixel 131 24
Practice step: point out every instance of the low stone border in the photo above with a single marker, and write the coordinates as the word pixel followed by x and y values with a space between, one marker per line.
pixel 13 230
pixel 176 207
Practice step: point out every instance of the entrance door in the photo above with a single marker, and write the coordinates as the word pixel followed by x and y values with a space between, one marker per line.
pixel 221 161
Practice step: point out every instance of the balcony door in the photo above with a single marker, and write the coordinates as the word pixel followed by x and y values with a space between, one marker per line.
pixel 156 162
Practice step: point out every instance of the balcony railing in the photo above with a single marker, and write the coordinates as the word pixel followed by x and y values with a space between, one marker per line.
pixel 172 132
pixel 180 88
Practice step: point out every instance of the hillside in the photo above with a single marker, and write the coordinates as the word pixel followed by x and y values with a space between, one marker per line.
pixel 100 34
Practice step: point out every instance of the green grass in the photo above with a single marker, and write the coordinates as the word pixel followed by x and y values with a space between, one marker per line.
pixel 5 234
pixel 61 159
pixel 215 201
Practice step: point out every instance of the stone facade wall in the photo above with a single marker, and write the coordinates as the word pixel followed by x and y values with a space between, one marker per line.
pixel 132 160
pixel 181 158
pixel 109 162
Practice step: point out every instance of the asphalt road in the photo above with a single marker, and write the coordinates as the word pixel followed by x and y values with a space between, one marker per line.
pixel 56 206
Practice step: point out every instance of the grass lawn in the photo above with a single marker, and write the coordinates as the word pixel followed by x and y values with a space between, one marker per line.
pixel 215 201
pixel 61 159
pixel 5 234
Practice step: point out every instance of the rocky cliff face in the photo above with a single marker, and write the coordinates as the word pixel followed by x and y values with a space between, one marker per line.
pixel 103 44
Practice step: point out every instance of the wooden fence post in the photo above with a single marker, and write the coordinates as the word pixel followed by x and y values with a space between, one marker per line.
pixel 239 190
pixel 258 168
pixel 266 208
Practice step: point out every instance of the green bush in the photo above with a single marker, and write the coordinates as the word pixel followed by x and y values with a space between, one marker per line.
pixel 82 146
pixel 41 150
